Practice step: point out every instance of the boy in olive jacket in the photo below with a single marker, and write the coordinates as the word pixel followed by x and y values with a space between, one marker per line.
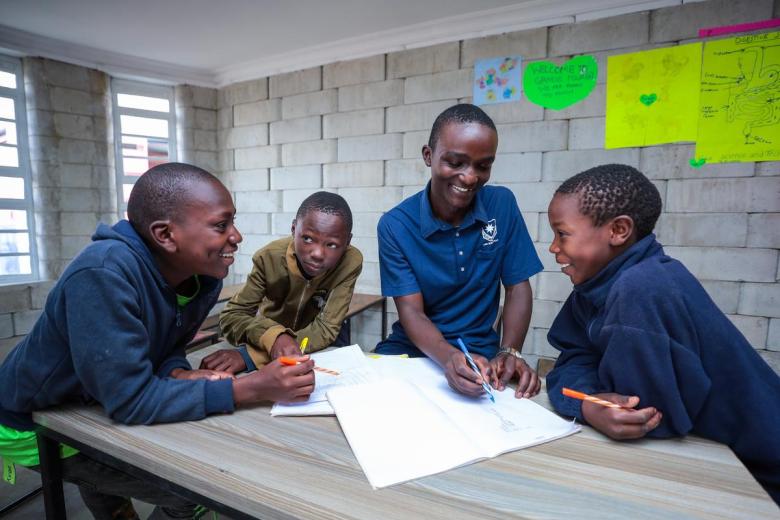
pixel 301 285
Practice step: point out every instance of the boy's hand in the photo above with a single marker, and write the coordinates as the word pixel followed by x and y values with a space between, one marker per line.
pixel 621 424
pixel 285 345
pixel 505 366
pixel 227 360
pixel 211 375
pixel 276 382
pixel 462 377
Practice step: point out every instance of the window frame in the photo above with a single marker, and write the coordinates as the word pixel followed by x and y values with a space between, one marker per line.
pixel 23 171
pixel 137 88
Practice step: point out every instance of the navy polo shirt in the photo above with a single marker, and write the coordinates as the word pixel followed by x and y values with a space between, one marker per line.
pixel 458 270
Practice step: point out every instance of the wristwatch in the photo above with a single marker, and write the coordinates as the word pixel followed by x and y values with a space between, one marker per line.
pixel 509 351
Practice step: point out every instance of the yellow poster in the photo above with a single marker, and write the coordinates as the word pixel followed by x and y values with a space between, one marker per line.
pixel 739 116
pixel 653 96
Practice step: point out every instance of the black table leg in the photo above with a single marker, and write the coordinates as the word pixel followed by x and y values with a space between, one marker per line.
pixel 384 319
pixel 51 477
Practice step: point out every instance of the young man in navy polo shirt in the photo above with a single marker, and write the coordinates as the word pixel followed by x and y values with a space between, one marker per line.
pixel 444 253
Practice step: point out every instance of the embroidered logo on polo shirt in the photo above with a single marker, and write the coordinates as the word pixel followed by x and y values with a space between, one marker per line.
pixel 489 232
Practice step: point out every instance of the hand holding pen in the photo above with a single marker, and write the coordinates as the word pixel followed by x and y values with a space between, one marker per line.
pixel 616 415
pixel 465 378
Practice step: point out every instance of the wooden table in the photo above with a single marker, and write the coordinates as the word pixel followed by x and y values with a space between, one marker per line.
pixel 250 464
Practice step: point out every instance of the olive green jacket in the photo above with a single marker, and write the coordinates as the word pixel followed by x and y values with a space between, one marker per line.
pixel 288 302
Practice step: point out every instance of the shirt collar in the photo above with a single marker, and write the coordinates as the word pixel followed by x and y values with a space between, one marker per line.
pixel 597 288
pixel 292 263
pixel 429 223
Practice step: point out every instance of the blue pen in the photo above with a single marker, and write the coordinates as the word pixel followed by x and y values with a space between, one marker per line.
pixel 473 365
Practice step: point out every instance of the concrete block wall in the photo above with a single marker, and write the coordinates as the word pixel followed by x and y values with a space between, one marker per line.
pixel 73 178
pixel 357 127
pixel 196 126
pixel 71 157
pixel 73 170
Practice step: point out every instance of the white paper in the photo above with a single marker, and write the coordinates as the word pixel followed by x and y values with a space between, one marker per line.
pixel 412 424
pixel 383 421
pixel 353 368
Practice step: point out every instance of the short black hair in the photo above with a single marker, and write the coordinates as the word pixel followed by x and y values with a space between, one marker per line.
pixel 162 193
pixel 463 113
pixel 326 202
pixel 610 190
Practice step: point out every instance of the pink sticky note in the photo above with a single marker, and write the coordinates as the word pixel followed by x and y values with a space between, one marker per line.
pixel 742 27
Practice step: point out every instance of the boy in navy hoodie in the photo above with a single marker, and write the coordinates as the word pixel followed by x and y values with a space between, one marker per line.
pixel 115 326
pixel 639 329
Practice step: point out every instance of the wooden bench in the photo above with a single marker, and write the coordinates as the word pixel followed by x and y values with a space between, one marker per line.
pixel 209 332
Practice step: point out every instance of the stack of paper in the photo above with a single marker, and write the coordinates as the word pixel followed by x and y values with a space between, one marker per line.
pixel 353 368
pixel 400 430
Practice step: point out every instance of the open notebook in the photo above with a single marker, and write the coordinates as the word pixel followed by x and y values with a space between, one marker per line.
pixel 412 424
pixel 353 368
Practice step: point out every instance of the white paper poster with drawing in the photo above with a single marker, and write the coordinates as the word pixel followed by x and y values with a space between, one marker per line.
pixel 412 424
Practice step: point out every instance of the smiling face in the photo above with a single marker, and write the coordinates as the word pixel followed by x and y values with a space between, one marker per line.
pixel 204 233
pixel 460 165
pixel 320 240
pixel 581 248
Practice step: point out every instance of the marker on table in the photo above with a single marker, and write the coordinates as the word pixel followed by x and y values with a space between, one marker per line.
pixel 473 365
pixel 291 362
pixel 568 392
pixel 304 343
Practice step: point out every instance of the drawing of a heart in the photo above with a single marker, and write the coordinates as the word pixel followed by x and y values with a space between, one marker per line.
pixel 699 163
pixel 648 99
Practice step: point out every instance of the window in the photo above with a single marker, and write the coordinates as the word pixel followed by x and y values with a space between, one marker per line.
pixel 144 132
pixel 18 260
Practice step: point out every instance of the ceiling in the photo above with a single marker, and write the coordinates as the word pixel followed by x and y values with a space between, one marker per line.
pixel 216 43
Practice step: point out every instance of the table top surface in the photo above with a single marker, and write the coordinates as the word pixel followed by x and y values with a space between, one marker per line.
pixel 303 467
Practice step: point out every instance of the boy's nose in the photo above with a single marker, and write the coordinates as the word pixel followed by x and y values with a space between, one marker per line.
pixel 236 236
pixel 553 247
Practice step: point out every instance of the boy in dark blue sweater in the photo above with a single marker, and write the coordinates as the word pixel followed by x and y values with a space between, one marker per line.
pixel 640 329
pixel 115 326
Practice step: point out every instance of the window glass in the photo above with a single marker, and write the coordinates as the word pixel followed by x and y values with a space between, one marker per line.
pixel 9 157
pixel 8 132
pixel 143 102
pixel 144 123
pixel 11 188
pixel 7 79
pixel 7 108
pixel 18 257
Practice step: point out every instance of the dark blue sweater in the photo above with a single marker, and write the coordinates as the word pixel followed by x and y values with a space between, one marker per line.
pixel 645 326
pixel 112 332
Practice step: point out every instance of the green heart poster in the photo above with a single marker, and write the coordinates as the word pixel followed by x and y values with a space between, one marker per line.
pixel 559 86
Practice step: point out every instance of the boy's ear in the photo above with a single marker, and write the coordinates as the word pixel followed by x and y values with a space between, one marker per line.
pixel 621 230
pixel 349 239
pixel 162 235
pixel 292 227
pixel 426 153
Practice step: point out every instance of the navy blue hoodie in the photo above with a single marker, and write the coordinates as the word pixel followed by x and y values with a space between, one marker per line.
pixel 645 326
pixel 112 332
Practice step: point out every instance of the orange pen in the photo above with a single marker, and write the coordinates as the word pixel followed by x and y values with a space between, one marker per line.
pixel 568 392
pixel 290 362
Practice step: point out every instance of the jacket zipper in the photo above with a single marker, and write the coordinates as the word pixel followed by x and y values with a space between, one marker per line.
pixel 300 305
